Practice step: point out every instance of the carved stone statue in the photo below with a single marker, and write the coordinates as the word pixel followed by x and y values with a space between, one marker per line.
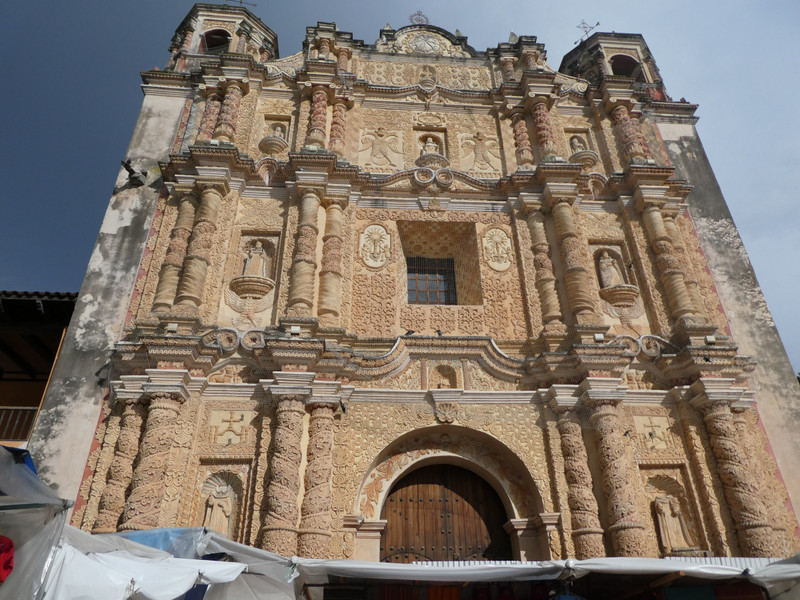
pixel 430 146
pixel 219 507
pixel 255 264
pixel 672 530
pixel 577 144
pixel 279 130
pixel 610 274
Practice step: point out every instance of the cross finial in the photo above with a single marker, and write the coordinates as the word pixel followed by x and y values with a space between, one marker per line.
pixel 586 29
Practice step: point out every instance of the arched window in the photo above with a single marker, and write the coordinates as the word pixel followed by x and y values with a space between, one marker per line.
pixel 216 41
pixel 626 66
pixel 443 512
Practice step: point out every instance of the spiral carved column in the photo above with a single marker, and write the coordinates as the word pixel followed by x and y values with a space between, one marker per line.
pixel 692 287
pixel 304 266
pixel 342 59
pixel 544 130
pixel 112 501
pixel 545 279
pixel 576 276
pixel 338 121
pixel 229 113
pixel 176 253
pixel 315 520
pixel 522 140
pixel 147 485
pixel 195 267
pixel 669 270
pixel 586 530
pixel 756 536
pixel 330 275
pixel 507 68
pixel 279 529
pixel 317 117
pixel 209 120
pixel 629 133
pixel 244 34
pixel 628 535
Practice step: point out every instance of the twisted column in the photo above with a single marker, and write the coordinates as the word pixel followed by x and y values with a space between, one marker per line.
pixel 112 501
pixel 586 530
pixel 315 520
pixel 330 275
pixel 756 536
pixel 304 265
pixel 692 287
pixel 545 279
pixel 342 59
pixel 209 120
pixel 669 270
pixel 244 36
pixel 338 121
pixel 195 267
pixel 323 48
pixel 317 117
pixel 576 276
pixel 544 130
pixel 530 60
pixel 279 528
pixel 507 68
pixel 628 535
pixel 176 253
pixel 147 484
pixel 522 141
pixel 229 113
pixel 629 133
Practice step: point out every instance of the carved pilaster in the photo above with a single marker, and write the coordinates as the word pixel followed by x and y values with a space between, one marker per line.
pixel 225 129
pixel 545 278
pixel 669 270
pixel 317 117
pixel 756 535
pixel 587 534
pixel 279 523
pixel 330 277
pixel 209 119
pixel 629 133
pixel 147 485
pixel 626 524
pixel 576 276
pixel 304 265
pixel 112 501
pixel 195 267
pixel 522 140
pixel 544 130
pixel 315 520
pixel 176 253
pixel 338 121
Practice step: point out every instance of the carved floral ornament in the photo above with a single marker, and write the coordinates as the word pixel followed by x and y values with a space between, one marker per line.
pixel 497 249
pixel 375 246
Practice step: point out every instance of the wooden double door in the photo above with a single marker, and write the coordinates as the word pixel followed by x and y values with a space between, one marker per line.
pixel 443 512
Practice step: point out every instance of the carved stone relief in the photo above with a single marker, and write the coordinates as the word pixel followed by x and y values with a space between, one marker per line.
pixel 497 250
pixel 479 153
pixel 375 246
pixel 381 150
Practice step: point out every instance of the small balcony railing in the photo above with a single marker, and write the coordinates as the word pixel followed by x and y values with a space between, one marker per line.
pixel 16 422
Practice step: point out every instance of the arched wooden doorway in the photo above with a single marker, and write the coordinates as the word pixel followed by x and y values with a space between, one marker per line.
pixel 443 512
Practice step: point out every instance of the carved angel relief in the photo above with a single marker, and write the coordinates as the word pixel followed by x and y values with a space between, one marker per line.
pixel 479 152
pixel 382 149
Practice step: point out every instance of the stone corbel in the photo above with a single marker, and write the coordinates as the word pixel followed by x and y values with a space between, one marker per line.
pixel 367 536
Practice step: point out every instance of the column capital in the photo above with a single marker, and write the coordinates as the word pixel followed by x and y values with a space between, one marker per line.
pixel 710 391
pixel 174 382
pixel 596 391
pixel 563 398
pixel 242 83
pixel 217 184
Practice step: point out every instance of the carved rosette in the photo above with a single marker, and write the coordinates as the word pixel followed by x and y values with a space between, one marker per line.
pixel 279 529
pixel 575 274
pixel 112 502
pixel 317 117
pixel 229 113
pixel 544 130
pixel 147 485
pixel 315 520
pixel 628 535
pixel 545 279
pixel 176 253
pixel 630 135
pixel 209 120
pixel 304 265
pixel 586 530
pixel 756 536
pixel 338 121
pixel 521 140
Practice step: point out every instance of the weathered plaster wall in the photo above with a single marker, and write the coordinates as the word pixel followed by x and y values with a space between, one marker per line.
pixel 62 435
pixel 777 392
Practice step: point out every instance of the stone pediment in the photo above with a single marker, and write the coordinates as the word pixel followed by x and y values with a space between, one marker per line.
pixel 424 40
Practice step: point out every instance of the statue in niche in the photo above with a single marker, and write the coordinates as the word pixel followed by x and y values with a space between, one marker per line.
pixel 672 530
pixel 278 130
pixel 219 506
pixel 609 271
pixel 383 149
pixel 255 265
pixel 577 144
pixel 430 146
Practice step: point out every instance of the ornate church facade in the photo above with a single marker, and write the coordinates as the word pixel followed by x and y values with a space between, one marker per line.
pixel 413 301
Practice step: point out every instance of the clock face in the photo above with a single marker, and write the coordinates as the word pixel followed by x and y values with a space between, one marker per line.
pixel 424 43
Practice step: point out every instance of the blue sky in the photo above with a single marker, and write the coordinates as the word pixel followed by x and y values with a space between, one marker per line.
pixel 71 98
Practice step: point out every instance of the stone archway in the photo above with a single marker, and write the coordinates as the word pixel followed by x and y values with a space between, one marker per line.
pixel 490 460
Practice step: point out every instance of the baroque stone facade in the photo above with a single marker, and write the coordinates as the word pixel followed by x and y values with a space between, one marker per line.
pixel 278 375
